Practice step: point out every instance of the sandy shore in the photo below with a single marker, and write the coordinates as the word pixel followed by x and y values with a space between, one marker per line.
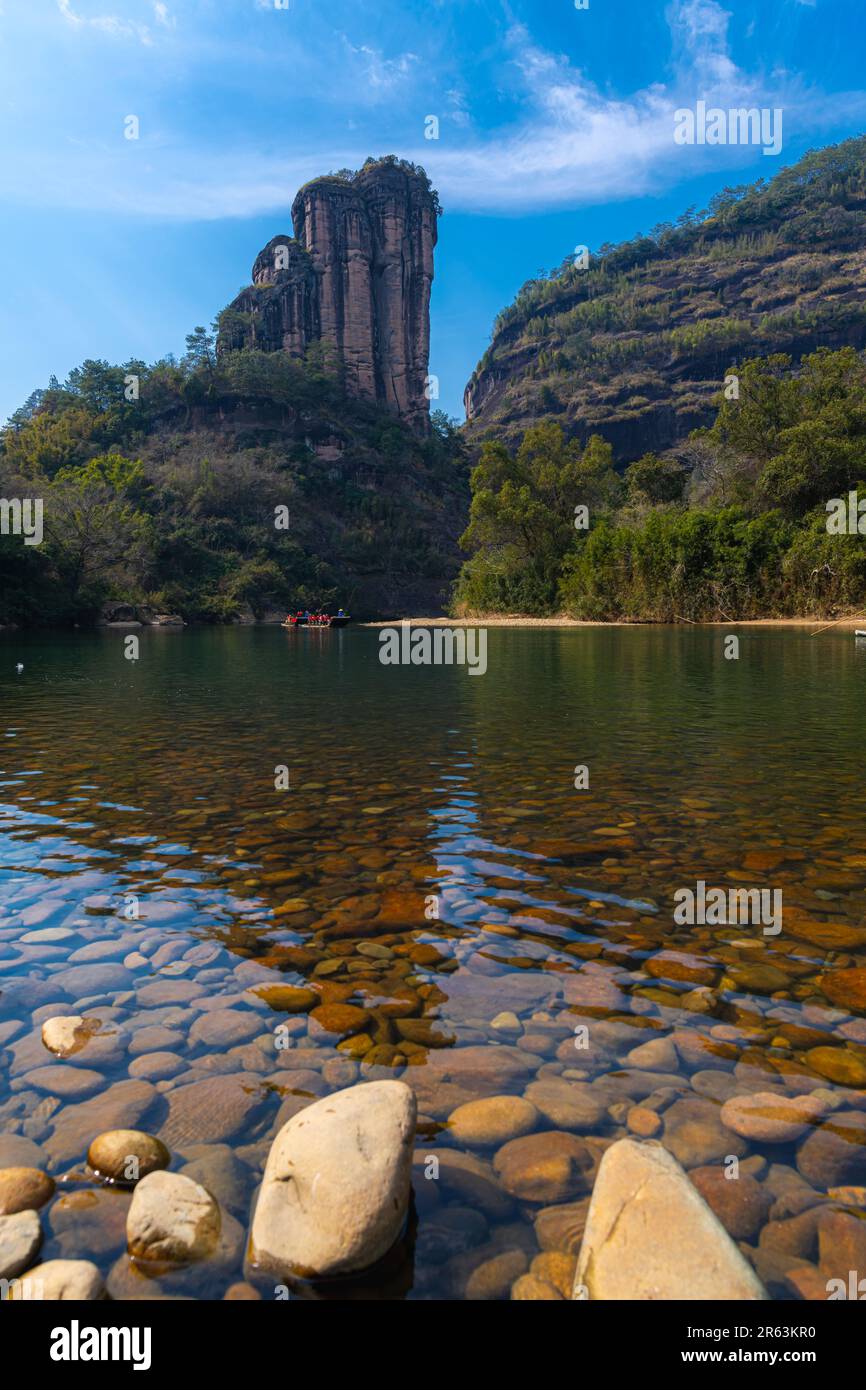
pixel 848 623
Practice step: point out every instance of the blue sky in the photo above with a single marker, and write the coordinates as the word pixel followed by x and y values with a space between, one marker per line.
pixel 555 131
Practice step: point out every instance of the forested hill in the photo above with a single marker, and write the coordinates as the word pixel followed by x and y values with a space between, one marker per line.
pixel 635 347
pixel 226 489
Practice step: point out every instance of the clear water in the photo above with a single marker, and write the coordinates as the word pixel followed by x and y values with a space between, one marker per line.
pixel 425 808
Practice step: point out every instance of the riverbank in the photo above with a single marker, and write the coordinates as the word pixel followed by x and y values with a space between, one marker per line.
pixel 511 620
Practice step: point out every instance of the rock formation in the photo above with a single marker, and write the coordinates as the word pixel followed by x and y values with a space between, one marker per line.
pixel 357 276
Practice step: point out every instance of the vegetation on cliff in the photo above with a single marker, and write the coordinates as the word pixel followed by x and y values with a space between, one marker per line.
pixel 634 345
pixel 737 529
pixel 221 489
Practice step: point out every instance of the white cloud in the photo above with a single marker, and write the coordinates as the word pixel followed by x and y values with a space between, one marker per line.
pixel 107 24
pixel 383 75
pixel 571 144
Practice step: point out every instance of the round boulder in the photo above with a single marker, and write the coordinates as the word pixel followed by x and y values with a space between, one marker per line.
pixel 172 1220
pixel 24 1189
pixel 487 1124
pixel 336 1186
pixel 126 1155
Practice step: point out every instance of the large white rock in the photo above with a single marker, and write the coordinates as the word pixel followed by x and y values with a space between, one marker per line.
pixel 336 1185
pixel 20 1238
pixel 72 1281
pixel 651 1236
pixel 172 1219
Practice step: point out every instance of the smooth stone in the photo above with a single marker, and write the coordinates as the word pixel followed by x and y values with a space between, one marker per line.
pixel 156 1066
pixel 561 1227
pixel 216 1168
pixel 46 936
pixel 65 1034
pixel 155 1037
pixel 841 1245
pixel 122 1106
pixel 16 1151
pixel 71 1037
pixel 838 1064
pixel 81 981
pixel 831 936
pixel 695 1135
pixel 741 1203
pixel 24 1189
pixel 757 977
pixel 492 1279
pixel 20 1239
pixel 768 1118
pixel 287 999
pixel 846 988
pixel 715 1085
pixel 67 1082
pixel 169 992
pixel 529 1288
pixel 90 1219
pixel 206 1112
pixel 506 1022
pixel 465 1177
pixel 341 1020
pixel 650 1235
pixel 548 1167
pixel 101 950
pixel 568 1104
pixel 592 990
pixel 835 1154
pixel 557 1268
pixel 486 996
pixel 700 1052
pixel 452 1076
pixel 225 1028
pixel 446 1231
pixel 657 1055
pixel 74 1281
pixel 682 967
pixel 127 1155
pixel 172 1220
pixel 426 1032
pixel 335 1192
pixel 492 1122
pixel 644 1123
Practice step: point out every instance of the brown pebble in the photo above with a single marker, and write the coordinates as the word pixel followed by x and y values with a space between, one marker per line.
pixel 556 1268
pixel 24 1189
pixel 530 1289
pixel 645 1123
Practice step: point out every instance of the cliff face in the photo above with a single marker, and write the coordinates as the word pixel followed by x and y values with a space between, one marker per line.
pixel 637 347
pixel 356 275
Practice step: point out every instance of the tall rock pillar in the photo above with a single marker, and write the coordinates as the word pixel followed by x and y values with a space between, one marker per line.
pixel 331 222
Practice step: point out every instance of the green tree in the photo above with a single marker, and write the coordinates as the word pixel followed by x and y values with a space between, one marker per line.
pixel 655 480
